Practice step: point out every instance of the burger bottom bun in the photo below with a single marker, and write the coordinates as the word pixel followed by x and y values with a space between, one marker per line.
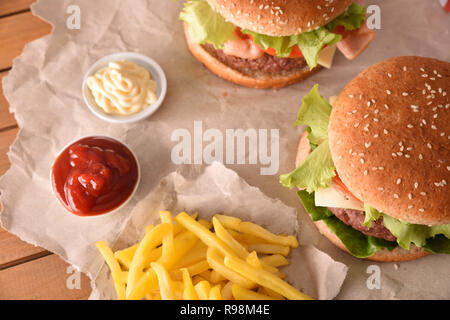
pixel 257 80
pixel 397 255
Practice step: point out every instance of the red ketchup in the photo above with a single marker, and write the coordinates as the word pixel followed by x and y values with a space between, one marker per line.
pixel 94 175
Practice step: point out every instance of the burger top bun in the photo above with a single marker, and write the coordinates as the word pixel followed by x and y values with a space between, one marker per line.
pixel 280 17
pixel 389 138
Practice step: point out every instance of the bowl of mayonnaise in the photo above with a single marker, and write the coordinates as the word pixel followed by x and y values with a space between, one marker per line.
pixel 124 87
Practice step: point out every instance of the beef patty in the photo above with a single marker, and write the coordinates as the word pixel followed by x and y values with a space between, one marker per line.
pixel 265 64
pixel 355 219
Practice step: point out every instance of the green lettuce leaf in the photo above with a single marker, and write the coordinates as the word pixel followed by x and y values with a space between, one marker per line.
pixel 357 243
pixel 435 239
pixel 408 233
pixel 371 215
pixel 352 19
pixel 310 43
pixel 438 244
pixel 315 113
pixel 315 172
pixel 205 25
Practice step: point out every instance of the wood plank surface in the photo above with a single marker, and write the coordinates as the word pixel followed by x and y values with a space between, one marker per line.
pixel 6 119
pixel 6 139
pixel 15 32
pixel 44 278
pixel 13 6
pixel 14 251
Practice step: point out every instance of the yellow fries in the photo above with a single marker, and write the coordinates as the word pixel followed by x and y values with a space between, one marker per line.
pixel 190 259
pixel 166 286
pixel 114 266
pixel 240 293
pixel 257 231
pixel 267 248
pixel 189 292
pixel 264 278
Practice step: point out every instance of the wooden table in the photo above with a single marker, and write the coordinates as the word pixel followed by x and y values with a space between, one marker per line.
pixel 26 271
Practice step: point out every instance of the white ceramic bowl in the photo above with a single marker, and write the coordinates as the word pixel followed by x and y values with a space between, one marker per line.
pixel 115 209
pixel 155 70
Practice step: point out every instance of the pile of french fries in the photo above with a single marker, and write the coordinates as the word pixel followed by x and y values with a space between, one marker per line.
pixel 185 258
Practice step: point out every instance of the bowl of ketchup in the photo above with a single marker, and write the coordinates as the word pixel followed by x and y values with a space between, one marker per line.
pixel 94 176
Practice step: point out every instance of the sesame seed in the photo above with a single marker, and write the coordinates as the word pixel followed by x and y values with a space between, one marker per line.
pixel 399 180
pixel 380 188
pixel 410 196
pixel 410 206
pixel 423 193
pixel 404 94
pixel 388 91
pixel 420 156
pixel 429 146
pixel 389 75
pixel 395 196
pixel 385 131
pixel 365 172
pixel 367 144
pixel 421 209
pixel 410 126
pixel 416 184
pixel 361 160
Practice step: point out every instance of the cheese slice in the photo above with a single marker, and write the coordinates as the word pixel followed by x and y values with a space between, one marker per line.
pixel 331 197
pixel 326 55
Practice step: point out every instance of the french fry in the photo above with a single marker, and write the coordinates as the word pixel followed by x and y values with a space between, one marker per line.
pixel 196 279
pixel 214 293
pixel 202 288
pixel 257 231
pixel 149 227
pixel 256 262
pixel 267 248
pixel 264 278
pixel 182 243
pixel 166 286
pixel 215 260
pixel 206 275
pixel 125 256
pixel 167 242
pixel 197 268
pixel 240 293
pixel 226 291
pixel 189 292
pixel 275 260
pixel 272 293
pixel 114 266
pixel 216 277
pixel 209 238
pixel 150 241
pixel 196 254
pixel 226 237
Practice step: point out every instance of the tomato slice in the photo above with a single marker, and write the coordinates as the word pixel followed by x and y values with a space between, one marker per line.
pixel 342 187
pixel 295 53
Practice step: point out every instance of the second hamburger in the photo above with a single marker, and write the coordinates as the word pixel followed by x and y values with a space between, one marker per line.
pixel 271 44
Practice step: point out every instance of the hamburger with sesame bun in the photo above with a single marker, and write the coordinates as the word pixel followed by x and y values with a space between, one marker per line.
pixel 271 44
pixel 373 169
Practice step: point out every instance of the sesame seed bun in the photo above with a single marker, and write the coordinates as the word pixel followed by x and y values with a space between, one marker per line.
pixel 280 17
pixel 389 138
pixel 260 80
pixel 397 255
